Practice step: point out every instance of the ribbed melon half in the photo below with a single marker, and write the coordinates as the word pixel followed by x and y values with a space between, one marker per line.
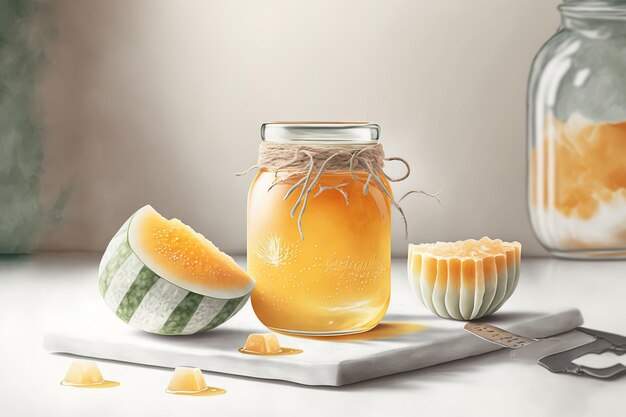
pixel 464 280
pixel 161 276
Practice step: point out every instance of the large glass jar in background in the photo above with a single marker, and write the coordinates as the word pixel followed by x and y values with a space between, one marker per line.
pixel 337 279
pixel 577 133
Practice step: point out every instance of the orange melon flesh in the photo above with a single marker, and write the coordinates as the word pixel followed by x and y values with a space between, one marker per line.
pixel 184 257
pixel 475 249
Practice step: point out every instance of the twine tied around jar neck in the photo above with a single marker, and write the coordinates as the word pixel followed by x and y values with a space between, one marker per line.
pixel 311 161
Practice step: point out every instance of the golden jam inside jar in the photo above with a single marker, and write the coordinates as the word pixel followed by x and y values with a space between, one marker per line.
pixel 335 278
pixel 577 187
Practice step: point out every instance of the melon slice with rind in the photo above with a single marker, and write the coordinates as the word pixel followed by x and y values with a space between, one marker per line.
pixel 161 276
pixel 464 280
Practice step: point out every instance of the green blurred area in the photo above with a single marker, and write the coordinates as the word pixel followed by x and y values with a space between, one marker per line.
pixel 22 57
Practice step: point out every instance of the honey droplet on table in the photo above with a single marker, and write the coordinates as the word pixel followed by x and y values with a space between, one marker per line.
pixel 86 374
pixel 208 392
pixel 190 381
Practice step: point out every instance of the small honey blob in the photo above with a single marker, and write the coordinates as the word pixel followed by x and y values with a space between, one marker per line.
pixel 263 343
pixel 190 381
pixel 266 344
pixel 86 374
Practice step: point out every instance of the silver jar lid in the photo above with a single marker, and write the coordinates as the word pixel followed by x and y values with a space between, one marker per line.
pixel 321 132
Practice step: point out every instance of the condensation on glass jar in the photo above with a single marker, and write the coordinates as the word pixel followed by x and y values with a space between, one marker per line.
pixel 332 276
pixel 577 133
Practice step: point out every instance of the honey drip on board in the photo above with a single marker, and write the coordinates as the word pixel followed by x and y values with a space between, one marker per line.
pixel 384 330
pixel 283 351
pixel 266 344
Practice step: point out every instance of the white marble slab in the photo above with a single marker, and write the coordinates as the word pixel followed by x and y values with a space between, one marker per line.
pixel 99 334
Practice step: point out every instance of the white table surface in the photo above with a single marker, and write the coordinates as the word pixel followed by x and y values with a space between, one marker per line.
pixel 32 287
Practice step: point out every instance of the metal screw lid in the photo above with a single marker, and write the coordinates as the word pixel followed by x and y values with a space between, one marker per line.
pixel 321 132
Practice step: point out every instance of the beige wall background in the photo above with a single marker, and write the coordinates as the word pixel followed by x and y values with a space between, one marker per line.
pixel 160 102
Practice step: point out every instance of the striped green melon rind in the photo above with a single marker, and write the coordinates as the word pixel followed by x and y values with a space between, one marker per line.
pixel 143 299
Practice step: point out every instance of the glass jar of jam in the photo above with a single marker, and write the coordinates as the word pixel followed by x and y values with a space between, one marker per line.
pixel 577 133
pixel 319 230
